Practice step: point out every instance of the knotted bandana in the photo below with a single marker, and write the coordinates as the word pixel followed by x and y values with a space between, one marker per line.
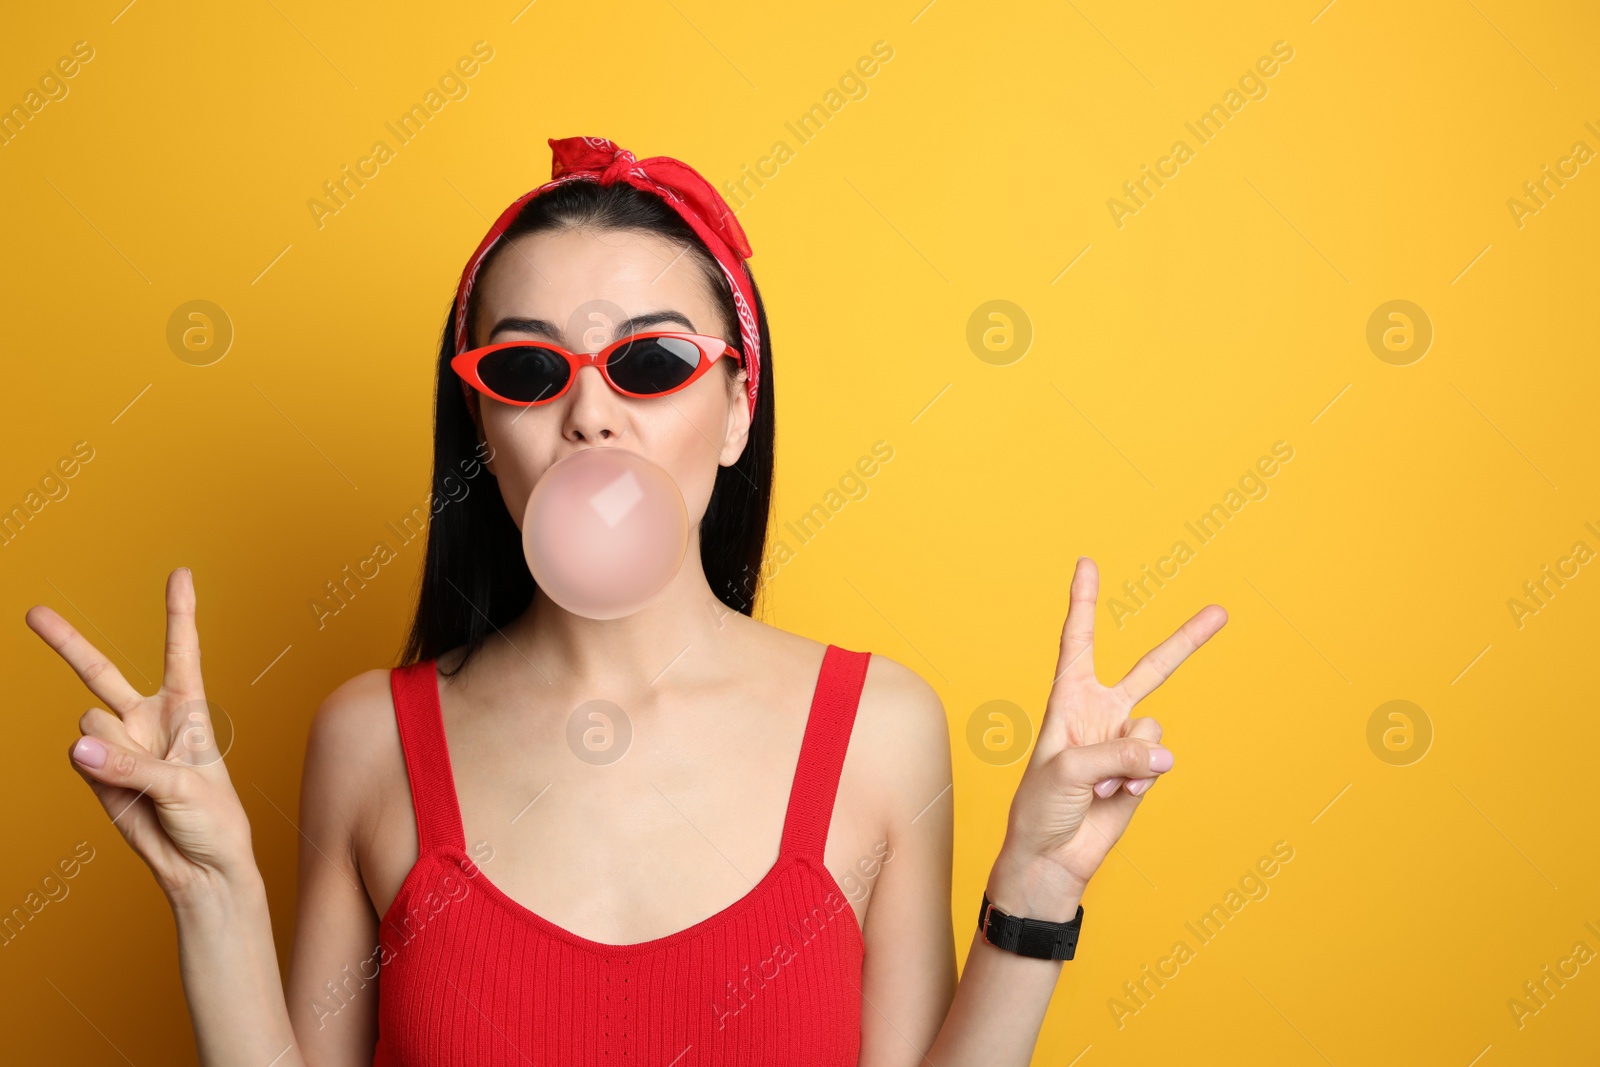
pixel 684 190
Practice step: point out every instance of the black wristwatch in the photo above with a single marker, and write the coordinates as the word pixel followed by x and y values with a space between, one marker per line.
pixel 1029 937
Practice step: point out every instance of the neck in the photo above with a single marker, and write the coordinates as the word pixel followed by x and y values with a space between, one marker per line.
pixel 677 626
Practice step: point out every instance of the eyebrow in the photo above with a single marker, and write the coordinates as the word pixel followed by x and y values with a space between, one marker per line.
pixel 548 330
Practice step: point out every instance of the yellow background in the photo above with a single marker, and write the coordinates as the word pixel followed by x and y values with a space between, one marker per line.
pixel 1229 313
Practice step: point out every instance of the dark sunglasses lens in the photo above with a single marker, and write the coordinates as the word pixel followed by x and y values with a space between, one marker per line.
pixel 653 364
pixel 527 372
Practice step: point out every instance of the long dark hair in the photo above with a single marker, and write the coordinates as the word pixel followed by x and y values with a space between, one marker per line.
pixel 475 579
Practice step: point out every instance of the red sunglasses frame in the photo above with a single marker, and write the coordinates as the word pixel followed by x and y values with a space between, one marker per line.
pixel 711 349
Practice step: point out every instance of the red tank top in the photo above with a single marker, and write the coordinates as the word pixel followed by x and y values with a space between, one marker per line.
pixel 470 978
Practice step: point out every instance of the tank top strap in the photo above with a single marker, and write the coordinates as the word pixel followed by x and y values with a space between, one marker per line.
pixel 822 751
pixel 433 788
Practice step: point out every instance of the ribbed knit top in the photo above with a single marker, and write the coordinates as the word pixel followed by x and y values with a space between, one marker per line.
pixel 470 978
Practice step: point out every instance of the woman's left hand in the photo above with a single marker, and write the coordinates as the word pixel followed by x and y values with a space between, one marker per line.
pixel 1091 766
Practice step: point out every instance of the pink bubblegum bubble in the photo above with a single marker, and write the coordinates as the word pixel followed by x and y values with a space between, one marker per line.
pixel 605 531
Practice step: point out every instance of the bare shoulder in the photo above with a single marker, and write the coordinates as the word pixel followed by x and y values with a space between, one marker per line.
pixel 898 761
pixel 900 737
pixel 903 736
pixel 359 709
pixel 352 755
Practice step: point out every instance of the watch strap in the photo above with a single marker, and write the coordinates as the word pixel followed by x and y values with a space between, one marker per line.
pixel 1036 938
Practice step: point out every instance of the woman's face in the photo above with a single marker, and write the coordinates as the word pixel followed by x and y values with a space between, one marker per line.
pixel 584 288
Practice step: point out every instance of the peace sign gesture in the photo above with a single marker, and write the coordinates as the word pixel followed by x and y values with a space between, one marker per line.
pixel 153 761
pixel 1092 763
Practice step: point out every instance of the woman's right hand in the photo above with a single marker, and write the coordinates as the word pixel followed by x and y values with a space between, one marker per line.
pixel 153 760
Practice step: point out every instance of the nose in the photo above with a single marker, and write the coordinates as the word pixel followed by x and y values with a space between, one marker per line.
pixel 593 408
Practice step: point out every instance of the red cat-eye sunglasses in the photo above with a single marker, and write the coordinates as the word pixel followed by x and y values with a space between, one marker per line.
pixel 642 365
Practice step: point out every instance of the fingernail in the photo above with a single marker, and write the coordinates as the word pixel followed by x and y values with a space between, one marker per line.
pixel 1139 785
pixel 1160 759
pixel 1107 787
pixel 89 752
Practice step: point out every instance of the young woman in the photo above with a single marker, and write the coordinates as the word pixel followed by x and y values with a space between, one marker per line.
pixel 679 837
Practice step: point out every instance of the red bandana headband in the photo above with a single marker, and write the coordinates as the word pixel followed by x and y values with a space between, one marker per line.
pixel 684 190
